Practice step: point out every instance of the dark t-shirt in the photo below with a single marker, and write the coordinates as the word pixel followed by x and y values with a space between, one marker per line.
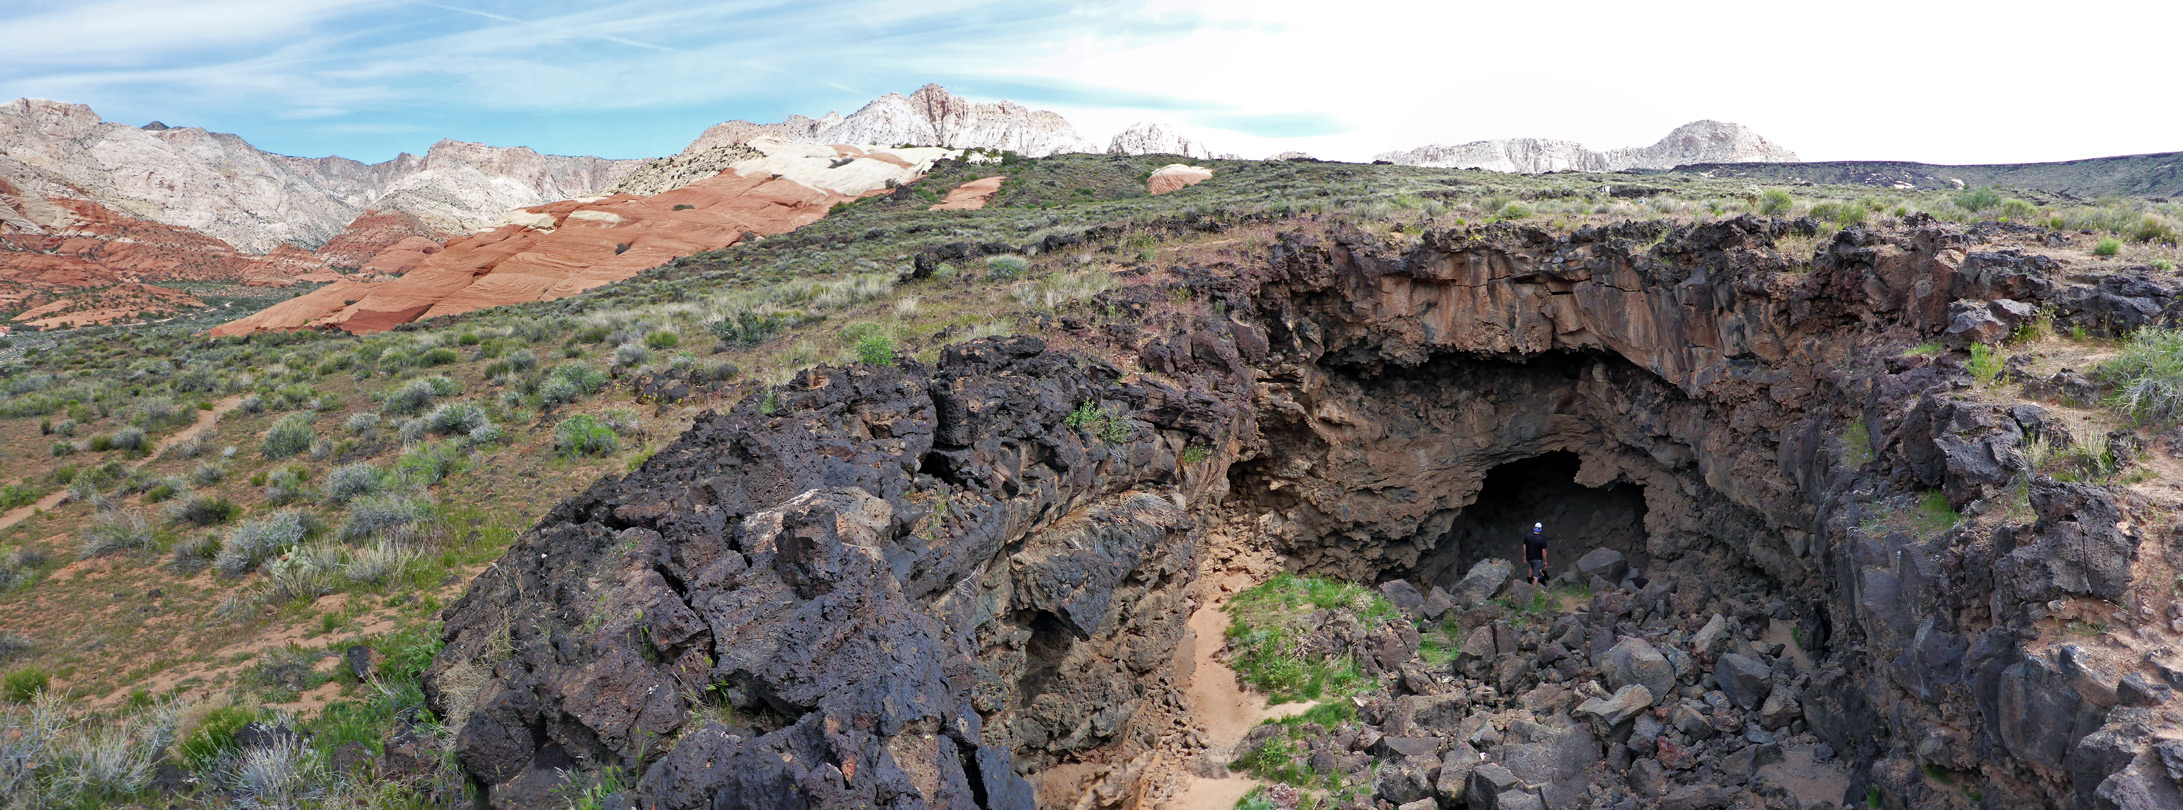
pixel 1534 547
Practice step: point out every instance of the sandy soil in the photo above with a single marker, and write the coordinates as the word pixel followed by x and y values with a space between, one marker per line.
pixel 1219 704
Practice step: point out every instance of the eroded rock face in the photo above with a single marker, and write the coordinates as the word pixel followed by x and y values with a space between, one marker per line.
pixel 1154 138
pixel 910 582
pixel 220 185
pixel 929 117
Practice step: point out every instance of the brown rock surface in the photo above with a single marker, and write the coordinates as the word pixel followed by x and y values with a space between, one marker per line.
pixel 1176 176
pixel 971 196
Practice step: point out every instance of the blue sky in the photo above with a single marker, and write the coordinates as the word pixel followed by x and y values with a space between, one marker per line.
pixel 1852 79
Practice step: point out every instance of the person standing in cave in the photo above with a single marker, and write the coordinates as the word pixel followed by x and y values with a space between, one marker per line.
pixel 1535 552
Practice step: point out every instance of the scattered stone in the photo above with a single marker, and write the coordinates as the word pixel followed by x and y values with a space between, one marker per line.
pixel 1455 770
pixel 1744 679
pixel 1633 661
pixel 1605 563
pixel 363 662
pixel 1612 711
pixel 1404 596
pixel 1437 604
pixel 2138 690
pixel 1709 637
pixel 1648 779
pixel 1780 708
pixel 1483 582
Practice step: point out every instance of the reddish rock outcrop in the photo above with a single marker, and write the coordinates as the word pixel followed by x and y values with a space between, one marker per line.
pixel 121 302
pixel 373 233
pixel 971 196
pixel 556 250
pixel 73 244
pixel 1176 176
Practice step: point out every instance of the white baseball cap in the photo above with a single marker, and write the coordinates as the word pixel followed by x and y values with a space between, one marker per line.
pixel 1538 527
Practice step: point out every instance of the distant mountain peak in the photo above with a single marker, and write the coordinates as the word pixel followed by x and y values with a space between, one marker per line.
pixel 931 116
pixel 1702 141
pixel 1157 138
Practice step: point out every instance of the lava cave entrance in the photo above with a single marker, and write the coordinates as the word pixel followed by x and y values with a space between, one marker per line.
pixel 1539 489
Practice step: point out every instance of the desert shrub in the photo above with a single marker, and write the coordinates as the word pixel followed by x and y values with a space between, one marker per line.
pixel 286 773
pixel 287 485
pixel 287 437
pixel 1775 202
pixel 252 403
pixel 102 443
pixel 876 350
pixel 750 327
pixel 18 566
pixel 1977 200
pixel 2018 210
pixel 487 433
pixel 662 341
pixel 191 554
pixel 411 431
pixel 362 422
pixel 14 496
pixel 306 572
pixel 2152 228
pixel 390 515
pixel 455 417
pixel 584 435
pixel 557 391
pixel 2106 247
pixel 1851 214
pixel 60 449
pixel 201 510
pixel 381 562
pixel 255 540
pixel 426 464
pixel 437 357
pixel 115 532
pixel 23 685
pixel 411 397
pixel 1515 210
pixel 1004 266
pixel 623 421
pixel 631 354
pixel 2148 376
pixel 193 446
pixel 351 481
pixel 522 360
pixel 208 473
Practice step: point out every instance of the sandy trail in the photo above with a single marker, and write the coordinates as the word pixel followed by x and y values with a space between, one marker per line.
pixel 205 420
pixel 1227 712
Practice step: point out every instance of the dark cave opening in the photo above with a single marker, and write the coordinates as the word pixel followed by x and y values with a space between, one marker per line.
pixel 1539 489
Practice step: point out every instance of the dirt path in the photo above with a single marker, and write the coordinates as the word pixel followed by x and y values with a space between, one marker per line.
pixel 205 420
pixel 1222 707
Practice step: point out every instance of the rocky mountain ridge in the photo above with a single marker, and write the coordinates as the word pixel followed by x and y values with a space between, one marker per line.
pixel 1703 141
pixel 929 117
pixel 218 184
